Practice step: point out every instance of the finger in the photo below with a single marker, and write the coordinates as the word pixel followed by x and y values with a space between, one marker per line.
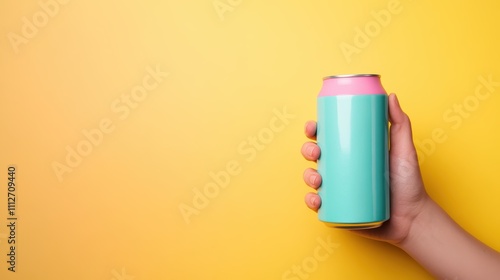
pixel 313 201
pixel 310 130
pixel 401 134
pixel 312 178
pixel 310 151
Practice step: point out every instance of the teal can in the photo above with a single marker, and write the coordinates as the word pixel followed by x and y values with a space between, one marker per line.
pixel 352 134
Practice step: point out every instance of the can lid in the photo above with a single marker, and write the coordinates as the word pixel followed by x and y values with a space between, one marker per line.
pixel 356 84
pixel 350 76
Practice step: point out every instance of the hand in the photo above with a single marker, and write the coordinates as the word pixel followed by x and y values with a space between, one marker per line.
pixel 408 195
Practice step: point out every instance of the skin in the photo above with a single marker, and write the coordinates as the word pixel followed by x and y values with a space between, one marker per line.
pixel 418 225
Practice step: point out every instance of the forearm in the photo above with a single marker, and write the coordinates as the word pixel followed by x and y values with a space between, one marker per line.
pixel 446 250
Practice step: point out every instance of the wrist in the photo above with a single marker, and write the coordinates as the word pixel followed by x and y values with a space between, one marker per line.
pixel 427 211
pixel 447 251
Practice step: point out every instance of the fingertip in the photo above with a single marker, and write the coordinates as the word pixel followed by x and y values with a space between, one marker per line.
pixel 396 114
pixel 310 129
pixel 313 201
pixel 394 98
pixel 312 178
pixel 315 179
pixel 310 151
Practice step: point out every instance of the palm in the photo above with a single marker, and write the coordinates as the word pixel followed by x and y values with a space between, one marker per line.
pixel 407 193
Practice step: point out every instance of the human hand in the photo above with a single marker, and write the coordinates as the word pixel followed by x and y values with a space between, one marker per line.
pixel 408 195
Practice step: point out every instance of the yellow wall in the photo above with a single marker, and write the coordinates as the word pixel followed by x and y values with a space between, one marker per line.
pixel 226 72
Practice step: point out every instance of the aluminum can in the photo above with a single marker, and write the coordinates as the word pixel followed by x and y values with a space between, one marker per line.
pixel 352 133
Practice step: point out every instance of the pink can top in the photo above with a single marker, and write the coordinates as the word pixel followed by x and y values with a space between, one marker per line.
pixel 359 84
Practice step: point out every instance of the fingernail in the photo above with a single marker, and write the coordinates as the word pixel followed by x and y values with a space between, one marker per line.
pixel 314 179
pixel 314 201
pixel 310 151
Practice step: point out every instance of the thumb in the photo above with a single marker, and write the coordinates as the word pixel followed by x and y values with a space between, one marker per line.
pixel 401 146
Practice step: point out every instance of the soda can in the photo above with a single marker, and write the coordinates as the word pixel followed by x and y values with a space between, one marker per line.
pixel 352 133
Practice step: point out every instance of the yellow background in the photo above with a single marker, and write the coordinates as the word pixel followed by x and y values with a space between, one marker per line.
pixel 116 215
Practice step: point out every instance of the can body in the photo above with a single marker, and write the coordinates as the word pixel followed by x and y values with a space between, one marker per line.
pixel 352 134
